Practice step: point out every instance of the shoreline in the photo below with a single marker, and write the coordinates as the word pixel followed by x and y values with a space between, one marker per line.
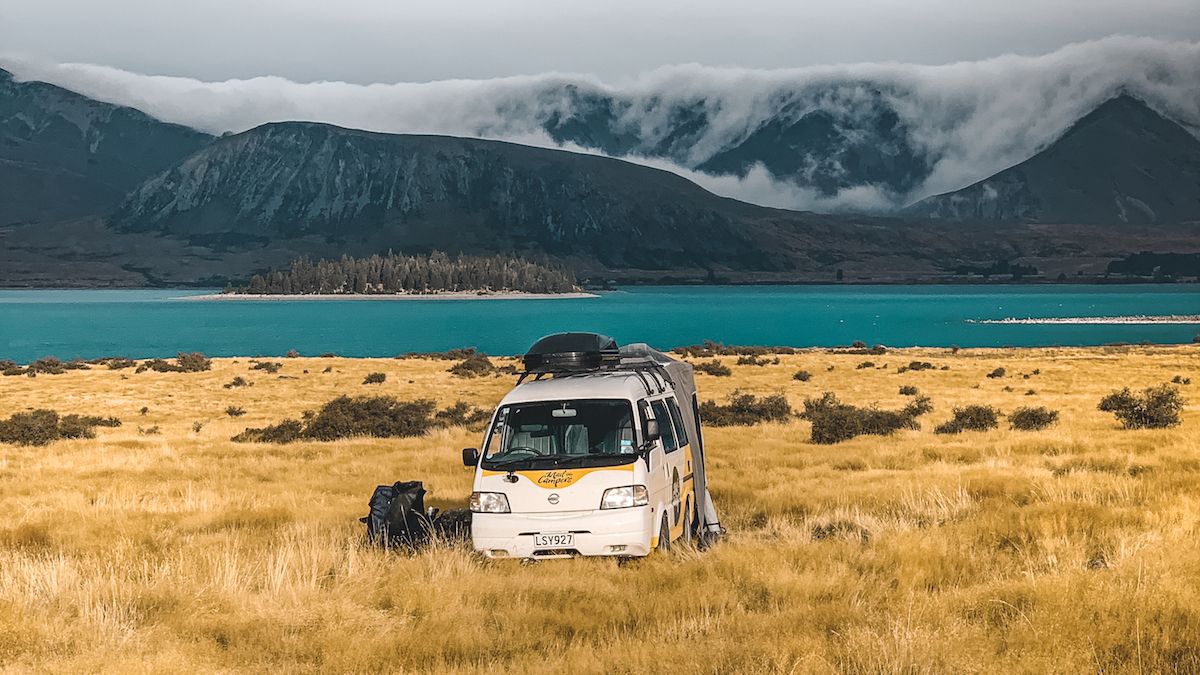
pixel 467 295
pixel 1136 320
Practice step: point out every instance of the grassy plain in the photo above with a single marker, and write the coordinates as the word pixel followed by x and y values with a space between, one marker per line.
pixel 1073 549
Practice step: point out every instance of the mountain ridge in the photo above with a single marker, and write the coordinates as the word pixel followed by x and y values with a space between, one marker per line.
pixel 1122 163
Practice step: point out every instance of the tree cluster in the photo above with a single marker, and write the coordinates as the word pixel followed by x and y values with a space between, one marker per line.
pixel 399 273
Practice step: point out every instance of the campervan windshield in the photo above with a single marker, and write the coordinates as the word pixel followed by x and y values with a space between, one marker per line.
pixel 549 434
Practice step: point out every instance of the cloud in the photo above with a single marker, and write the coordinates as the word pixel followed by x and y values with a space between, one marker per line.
pixel 969 119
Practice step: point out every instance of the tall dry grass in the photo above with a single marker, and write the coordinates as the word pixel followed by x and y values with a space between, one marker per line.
pixel 1072 549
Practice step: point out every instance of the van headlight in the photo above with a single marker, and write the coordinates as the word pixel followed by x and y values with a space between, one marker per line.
pixel 625 497
pixel 489 502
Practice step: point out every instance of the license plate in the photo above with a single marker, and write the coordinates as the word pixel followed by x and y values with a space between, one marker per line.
pixel 558 540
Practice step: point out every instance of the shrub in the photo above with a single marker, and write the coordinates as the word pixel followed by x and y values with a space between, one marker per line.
pixel 235 411
pixel 291 354
pixel 755 361
pixel 286 431
pixel 864 365
pixel 802 376
pixel 1032 419
pixel 377 416
pixel 919 365
pixel 997 373
pixel 462 414
pixel 150 431
pixel 970 418
pixel 1179 379
pixel 7 364
pixel 144 410
pixel 42 427
pixel 475 365
pixel 1155 408
pixel 917 407
pixel 194 362
pixel 375 378
pixel 121 363
pixel 834 421
pixel 746 410
pixel 197 426
pixel 238 381
pixel 714 368
pixel 710 348
pixel 270 367
pixel 908 390
pixel 448 355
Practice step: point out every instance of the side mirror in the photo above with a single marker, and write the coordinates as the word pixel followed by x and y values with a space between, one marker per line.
pixel 470 457
pixel 652 432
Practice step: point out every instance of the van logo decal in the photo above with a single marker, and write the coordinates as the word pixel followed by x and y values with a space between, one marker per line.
pixel 555 479
pixel 553 498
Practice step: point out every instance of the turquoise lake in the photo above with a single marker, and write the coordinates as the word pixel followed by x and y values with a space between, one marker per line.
pixel 146 323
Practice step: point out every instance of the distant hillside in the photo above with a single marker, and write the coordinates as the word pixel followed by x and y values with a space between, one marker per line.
pixel 371 191
pixel 1121 164
pixel 63 155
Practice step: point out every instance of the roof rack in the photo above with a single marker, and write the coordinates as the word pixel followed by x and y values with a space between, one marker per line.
pixel 568 354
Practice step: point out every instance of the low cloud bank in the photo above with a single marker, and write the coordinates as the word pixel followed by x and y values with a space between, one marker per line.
pixel 969 119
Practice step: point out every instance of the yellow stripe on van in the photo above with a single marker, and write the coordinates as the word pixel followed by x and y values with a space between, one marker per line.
pixel 559 478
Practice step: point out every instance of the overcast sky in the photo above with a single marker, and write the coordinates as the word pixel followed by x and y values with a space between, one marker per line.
pixel 367 41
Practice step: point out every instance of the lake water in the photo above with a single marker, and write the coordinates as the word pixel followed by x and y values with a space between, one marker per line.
pixel 145 323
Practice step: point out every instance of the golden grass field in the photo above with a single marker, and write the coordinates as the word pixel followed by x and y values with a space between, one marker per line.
pixel 1067 550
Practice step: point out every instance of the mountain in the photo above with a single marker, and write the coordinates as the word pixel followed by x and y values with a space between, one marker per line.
pixel 841 137
pixel 371 191
pixel 63 155
pixel 1123 163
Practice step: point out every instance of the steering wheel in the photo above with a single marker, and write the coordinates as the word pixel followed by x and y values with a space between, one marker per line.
pixel 524 448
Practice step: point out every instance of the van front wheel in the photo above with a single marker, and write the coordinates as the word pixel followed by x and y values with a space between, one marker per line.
pixel 664 535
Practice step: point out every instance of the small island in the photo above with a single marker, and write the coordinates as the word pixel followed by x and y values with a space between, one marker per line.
pixel 400 276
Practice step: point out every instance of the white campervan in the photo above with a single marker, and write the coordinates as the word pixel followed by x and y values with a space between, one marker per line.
pixel 596 451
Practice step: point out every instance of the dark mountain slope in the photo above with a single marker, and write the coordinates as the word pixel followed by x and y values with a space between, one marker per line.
pixel 63 155
pixel 1122 163
pixel 373 191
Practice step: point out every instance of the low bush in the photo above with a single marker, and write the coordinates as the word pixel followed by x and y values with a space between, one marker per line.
pixel 714 368
pixel 834 421
pixel 908 390
pixel 919 365
pixel 373 416
pixel 286 431
pixel 235 411
pixel 476 365
pixel 1032 419
pixel 375 378
pixel 709 349
pixel 753 360
pixel 802 376
pixel 997 373
pixel 194 362
pixel 236 382
pixel 291 354
pixel 462 414
pixel 448 355
pixel 42 427
pixel 1155 408
pixel 120 363
pixel 270 367
pixel 746 410
pixel 864 365
pixel 970 418
pixel 1179 379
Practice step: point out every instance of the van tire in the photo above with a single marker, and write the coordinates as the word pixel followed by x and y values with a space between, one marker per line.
pixel 689 522
pixel 664 535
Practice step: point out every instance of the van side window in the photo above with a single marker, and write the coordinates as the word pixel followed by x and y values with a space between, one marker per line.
pixel 680 429
pixel 665 426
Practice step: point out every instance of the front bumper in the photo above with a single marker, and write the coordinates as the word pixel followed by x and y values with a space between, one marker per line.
pixel 615 532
